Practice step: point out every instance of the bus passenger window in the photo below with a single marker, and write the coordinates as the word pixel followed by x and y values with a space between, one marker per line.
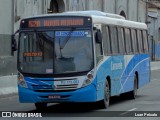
pixel 134 41
pixel 128 41
pixel 139 36
pixel 114 39
pixel 99 52
pixel 121 40
pixel 106 41
pixel 145 41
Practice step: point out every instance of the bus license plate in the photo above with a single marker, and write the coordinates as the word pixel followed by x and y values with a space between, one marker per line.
pixel 54 97
pixel 69 82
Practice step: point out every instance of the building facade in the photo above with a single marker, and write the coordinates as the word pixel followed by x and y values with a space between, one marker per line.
pixel 154 28
pixel 12 11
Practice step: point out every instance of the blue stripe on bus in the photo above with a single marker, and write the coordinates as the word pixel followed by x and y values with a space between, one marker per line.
pixel 122 79
pixel 39 83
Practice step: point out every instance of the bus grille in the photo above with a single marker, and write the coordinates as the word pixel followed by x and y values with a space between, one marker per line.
pixel 54 88
pixel 40 87
pixel 66 87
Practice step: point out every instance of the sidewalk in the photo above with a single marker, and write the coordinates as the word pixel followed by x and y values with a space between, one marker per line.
pixel 8 84
pixel 155 65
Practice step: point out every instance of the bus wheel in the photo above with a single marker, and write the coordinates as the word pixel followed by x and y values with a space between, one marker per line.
pixel 105 102
pixel 41 106
pixel 133 94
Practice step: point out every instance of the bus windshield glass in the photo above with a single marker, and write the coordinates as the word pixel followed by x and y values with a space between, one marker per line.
pixel 55 52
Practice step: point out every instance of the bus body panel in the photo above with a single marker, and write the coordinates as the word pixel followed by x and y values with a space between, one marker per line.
pixel 87 94
pixel 121 70
pixel 116 67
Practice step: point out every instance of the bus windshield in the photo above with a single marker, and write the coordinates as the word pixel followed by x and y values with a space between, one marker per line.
pixel 55 52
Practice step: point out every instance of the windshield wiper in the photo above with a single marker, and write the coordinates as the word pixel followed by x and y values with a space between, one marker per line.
pixel 67 38
pixel 39 41
pixel 62 46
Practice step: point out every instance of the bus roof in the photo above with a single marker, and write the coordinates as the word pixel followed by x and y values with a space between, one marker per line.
pixel 99 18
pixel 118 22
pixel 97 13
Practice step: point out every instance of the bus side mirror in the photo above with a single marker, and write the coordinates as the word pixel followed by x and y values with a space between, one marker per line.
pixel 98 37
pixel 14 44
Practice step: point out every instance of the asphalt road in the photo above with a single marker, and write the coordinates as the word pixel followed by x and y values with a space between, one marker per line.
pixel 148 99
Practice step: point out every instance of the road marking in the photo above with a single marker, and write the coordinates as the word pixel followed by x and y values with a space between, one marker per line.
pixel 154 80
pixel 128 111
pixel 155 69
pixel 149 102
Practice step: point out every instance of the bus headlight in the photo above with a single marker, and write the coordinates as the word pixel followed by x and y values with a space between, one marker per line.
pixel 88 80
pixel 21 81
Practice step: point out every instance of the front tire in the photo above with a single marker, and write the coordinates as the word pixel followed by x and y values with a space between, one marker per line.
pixel 133 94
pixel 41 106
pixel 105 102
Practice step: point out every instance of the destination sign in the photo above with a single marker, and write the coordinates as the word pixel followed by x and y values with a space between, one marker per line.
pixel 56 22
pixel 69 33
pixel 32 54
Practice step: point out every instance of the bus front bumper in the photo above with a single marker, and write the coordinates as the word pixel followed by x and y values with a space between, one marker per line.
pixel 86 94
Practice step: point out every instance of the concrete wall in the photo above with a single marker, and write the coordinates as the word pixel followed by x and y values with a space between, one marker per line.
pixel 154 33
pixel 11 12
pixel 25 8
pixel 134 9
pixel 5 27
pixel 109 6
pixel 142 11
pixel 7 62
pixel 122 5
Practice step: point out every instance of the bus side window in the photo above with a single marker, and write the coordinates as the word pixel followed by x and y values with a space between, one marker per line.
pixel 134 41
pixel 106 41
pixel 139 36
pixel 128 41
pixel 145 41
pixel 121 40
pixel 114 39
pixel 99 51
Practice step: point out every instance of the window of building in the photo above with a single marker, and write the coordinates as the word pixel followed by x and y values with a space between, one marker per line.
pixel 53 7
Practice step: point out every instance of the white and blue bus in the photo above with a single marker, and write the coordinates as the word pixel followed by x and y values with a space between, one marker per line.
pixel 85 56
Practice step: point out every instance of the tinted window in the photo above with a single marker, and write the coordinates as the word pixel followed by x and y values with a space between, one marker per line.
pixel 114 39
pixel 145 41
pixel 99 52
pixel 106 41
pixel 36 52
pixel 134 41
pixel 121 40
pixel 139 36
pixel 128 41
